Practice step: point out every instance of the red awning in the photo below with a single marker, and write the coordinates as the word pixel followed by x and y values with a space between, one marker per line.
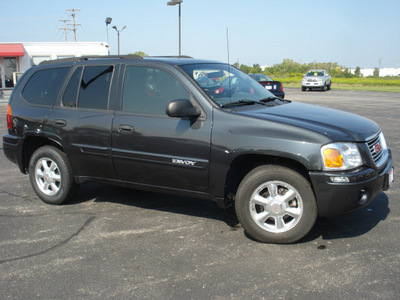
pixel 11 50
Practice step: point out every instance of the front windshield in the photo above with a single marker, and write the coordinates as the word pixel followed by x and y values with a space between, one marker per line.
pixel 315 73
pixel 225 84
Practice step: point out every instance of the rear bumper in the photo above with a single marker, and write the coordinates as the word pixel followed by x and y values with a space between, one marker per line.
pixel 279 94
pixel 12 150
pixel 338 198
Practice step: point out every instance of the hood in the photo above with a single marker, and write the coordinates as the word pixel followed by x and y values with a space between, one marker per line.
pixel 334 124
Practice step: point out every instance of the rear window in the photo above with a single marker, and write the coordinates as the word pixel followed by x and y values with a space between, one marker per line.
pixel 42 87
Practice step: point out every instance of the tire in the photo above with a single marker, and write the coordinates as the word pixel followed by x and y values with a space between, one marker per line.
pixel 303 88
pixel 51 176
pixel 275 204
pixel 329 86
pixel 324 88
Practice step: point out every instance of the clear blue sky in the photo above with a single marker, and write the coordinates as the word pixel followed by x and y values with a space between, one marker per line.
pixel 351 33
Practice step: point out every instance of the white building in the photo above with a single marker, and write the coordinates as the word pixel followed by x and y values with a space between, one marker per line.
pixel 382 72
pixel 16 58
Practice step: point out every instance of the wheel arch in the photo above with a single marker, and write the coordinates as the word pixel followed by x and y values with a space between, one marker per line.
pixel 243 164
pixel 31 144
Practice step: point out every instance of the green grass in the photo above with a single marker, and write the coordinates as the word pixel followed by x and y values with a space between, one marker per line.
pixel 359 84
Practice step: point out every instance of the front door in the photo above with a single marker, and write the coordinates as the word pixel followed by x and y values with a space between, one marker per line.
pixel 148 147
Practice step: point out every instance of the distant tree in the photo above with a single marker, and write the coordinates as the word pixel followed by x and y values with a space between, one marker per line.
pixel 140 53
pixel 376 72
pixel 245 69
pixel 255 69
pixel 357 72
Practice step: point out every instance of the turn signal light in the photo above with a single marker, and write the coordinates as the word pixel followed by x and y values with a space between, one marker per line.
pixel 333 158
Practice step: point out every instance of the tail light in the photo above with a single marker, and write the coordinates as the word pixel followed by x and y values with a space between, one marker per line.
pixel 9 117
pixel 281 88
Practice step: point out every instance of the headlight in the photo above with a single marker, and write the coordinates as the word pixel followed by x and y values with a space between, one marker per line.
pixel 341 156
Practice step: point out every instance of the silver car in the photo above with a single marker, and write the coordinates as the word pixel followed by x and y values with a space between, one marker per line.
pixel 316 79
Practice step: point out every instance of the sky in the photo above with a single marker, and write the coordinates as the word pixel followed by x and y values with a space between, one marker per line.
pixel 352 33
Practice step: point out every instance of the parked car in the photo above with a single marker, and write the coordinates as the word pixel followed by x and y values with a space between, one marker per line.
pixel 316 79
pixel 148 123
pixel 275 87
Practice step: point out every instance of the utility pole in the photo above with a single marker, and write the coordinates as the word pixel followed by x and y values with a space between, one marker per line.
pixel 74 25
pixel 65 28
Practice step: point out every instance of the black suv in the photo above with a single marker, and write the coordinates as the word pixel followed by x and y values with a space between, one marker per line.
pixel 196 128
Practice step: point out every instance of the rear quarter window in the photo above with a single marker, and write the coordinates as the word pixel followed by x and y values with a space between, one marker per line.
pixel 42 87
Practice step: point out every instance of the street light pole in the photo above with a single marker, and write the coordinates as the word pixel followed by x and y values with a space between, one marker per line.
pixel 108 22
pixel 173 3
pixel 118 31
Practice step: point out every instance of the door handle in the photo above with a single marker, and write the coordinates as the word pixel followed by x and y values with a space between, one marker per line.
pixel 126 129
pixel 60 123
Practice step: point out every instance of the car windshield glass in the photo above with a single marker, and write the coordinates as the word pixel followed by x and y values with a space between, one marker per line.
pixel 225 84
pixel 261 77
pixel 315 73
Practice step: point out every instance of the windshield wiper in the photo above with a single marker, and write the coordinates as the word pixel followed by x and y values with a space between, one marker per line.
pixel 268 99
pixel 243 102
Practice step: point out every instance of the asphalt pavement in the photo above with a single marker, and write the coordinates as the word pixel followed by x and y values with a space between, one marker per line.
pixel 117 243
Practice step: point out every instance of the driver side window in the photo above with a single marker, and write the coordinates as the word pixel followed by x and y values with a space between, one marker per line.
pixel 148 90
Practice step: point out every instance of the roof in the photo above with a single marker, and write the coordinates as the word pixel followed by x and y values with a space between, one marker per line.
pixel 7 50
pixel 172 60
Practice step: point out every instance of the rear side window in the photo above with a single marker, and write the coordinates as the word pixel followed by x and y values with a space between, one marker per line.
pixel 95 86
pixel 42 87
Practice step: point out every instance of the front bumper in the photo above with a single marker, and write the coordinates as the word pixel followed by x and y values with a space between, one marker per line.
pixel 312 84
pixel 338 198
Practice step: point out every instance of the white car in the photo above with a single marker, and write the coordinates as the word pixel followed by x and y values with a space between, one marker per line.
pixel 316 79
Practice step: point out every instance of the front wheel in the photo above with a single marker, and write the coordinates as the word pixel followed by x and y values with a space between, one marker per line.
pixel 275 204
pixel 51 176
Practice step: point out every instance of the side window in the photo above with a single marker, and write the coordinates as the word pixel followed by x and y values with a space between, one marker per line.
pixel 95 86
pixel 71 92
pixel 42 87
pixel 149 90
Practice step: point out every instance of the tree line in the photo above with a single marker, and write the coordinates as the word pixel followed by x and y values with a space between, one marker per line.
pixel 290 68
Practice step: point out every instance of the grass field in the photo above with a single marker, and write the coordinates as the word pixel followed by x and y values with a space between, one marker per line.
pixel 360 84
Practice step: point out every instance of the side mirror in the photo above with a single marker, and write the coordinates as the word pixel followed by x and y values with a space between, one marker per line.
pixel 182 108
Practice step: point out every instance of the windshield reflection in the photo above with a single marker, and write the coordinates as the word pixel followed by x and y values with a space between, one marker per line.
pixel 225 84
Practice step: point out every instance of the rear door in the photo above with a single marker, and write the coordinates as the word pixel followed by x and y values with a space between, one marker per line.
pixel 82 121
pixel 148 147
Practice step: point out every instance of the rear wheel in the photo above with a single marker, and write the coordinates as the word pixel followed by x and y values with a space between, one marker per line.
pixel 51 176
pixel 275 204
pixel 329 86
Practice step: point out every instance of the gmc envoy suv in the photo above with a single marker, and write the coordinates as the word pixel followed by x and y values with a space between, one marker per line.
pixel 195 128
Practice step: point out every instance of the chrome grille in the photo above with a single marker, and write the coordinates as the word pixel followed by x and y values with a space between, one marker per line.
pixel 378 149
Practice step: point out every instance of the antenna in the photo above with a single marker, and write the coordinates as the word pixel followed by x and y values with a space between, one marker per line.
pixel 227 43
pixel 229 65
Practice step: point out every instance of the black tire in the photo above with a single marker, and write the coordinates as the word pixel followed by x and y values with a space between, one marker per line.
pixel 303 88
pixel 51 176
pixel 282 200
pixel 329 86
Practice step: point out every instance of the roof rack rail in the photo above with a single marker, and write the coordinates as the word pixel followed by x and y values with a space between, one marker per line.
pixel 80 58
pixel 172 56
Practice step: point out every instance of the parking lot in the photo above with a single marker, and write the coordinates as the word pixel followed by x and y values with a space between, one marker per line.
pixel 117 243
